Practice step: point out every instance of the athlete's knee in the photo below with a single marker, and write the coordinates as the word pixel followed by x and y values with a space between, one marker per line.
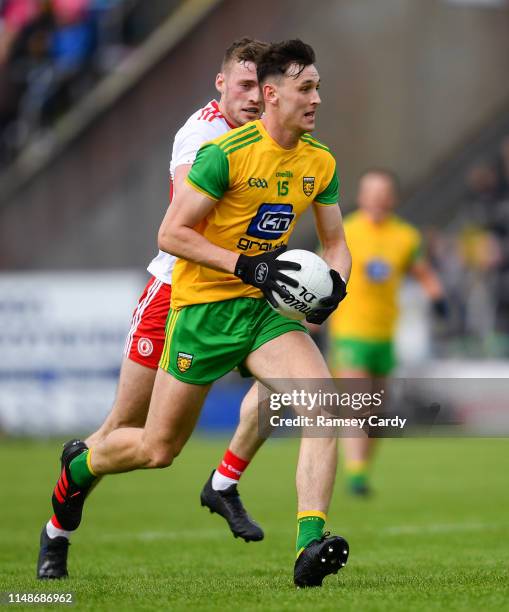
pixel 319 447
pixel 161 455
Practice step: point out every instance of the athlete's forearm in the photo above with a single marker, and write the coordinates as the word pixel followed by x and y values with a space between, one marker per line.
pixel 178 236
pixel 428 279
pixel 186 243
pixel 329 225
pixel 338 257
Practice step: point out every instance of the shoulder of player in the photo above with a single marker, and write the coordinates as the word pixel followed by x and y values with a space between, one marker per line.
pixel 352 221
pixel 403 224
pixel 238 138
pixel 351 217
pixel 200 124
pixel 316 146
pixel 209 115
pixel 405 228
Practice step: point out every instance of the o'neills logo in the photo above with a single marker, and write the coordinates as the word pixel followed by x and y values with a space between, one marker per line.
pixel 285 174
pixel 184 361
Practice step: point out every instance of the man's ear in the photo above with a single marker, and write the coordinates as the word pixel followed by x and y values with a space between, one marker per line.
pixel 270 95
pixel 220 82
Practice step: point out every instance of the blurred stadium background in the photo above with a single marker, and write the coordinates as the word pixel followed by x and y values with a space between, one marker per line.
pixel 91 95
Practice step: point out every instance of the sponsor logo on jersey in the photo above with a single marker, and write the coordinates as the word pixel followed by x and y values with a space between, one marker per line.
pixel 145 347
pixel 271 221
pixel 261 272
pixel 245 244
pixel 285 174
pixel 308 185
pixel 257 182
pixel 184 361
pixel 378 270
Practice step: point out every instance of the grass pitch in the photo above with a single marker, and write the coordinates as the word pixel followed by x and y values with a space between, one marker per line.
pixel 433 537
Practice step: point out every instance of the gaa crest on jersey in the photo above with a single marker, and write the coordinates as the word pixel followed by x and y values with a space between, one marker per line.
pixel 184 361
pixel 308 185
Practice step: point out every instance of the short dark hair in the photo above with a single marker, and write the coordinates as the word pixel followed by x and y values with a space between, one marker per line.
pixel 390 175
pixel 244 50
pixel 276 60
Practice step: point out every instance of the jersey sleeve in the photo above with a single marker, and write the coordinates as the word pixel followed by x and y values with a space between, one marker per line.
pixel 188 141
pixel 210 173
pixel 330 195
pixel 416 248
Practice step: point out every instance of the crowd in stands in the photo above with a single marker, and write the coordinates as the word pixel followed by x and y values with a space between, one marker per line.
pixel 472 256
pixel 54 51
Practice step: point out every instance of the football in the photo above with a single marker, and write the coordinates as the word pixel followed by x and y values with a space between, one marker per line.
pixel 314 281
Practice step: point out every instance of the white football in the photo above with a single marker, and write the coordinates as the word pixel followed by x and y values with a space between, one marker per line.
pixel 314 281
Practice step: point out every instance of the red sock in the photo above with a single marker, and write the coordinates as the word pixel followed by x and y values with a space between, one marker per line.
pixel 55 522
pixel 54 529
pixel 232 466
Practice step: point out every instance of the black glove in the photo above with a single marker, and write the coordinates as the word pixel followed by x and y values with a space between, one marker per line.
pixel 262 271
pixel 440 308
pixel 329 304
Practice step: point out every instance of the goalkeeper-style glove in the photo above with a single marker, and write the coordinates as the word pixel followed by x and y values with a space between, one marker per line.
pixel 329 304
pixel 262 271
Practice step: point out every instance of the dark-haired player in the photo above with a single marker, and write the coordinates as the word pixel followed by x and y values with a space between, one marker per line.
pixel 240 102
pixel 227 264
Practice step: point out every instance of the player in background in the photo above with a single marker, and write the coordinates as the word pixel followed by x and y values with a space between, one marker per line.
pixel 219 318
pixel 384 249
pixel 239 103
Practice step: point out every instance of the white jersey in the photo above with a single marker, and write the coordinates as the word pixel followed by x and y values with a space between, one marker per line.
pixel 202 126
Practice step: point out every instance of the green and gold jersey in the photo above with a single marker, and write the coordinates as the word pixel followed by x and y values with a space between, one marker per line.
pixel 381 253
pixel 261 190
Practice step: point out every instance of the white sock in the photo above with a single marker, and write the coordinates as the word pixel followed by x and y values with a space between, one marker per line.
pixel 55 532
pixel 220 482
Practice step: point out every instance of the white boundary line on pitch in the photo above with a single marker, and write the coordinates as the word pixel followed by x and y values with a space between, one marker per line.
pixel 213 534
pixel 438 528
pixel 153 536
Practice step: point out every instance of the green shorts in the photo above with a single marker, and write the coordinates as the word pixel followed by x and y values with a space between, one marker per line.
pixel 374 356
pixel 206 341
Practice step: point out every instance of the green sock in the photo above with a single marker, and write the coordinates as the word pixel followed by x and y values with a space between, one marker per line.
pixel 309 527
pixel 357 474
pixel 80 470
pixel 356 481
